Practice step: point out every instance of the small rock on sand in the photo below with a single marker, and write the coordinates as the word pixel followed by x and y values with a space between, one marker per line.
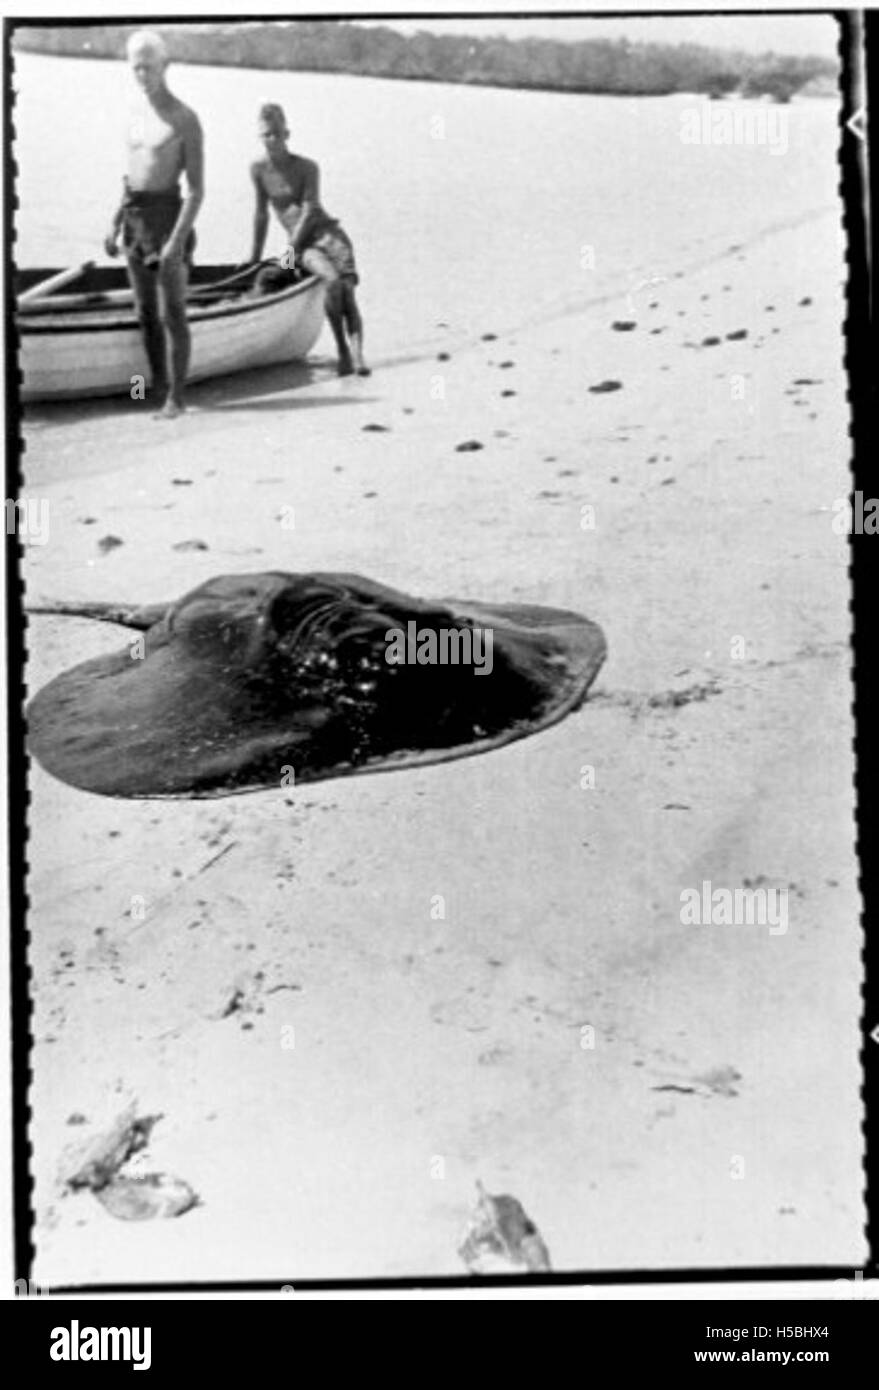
pixel 108 543
pixel 468 446
pixel 623 325
pixel 377 429
pixel 737 335
pixel 602 386
pixel 189 545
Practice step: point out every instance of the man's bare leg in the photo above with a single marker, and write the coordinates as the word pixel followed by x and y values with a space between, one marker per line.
pixel 144 285
pixel 173 280
pixel 354 325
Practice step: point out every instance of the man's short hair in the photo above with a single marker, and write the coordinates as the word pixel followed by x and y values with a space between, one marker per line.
pixel 147 40
pixel 271 114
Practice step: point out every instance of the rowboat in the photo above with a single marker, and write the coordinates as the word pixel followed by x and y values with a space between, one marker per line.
pixel 85 340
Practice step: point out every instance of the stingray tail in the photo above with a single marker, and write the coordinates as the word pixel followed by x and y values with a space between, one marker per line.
pixel 126 615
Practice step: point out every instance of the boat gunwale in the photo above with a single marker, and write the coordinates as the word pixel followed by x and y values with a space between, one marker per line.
pixel 125 322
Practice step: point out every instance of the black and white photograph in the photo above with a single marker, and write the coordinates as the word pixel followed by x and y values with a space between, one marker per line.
pixel 435 506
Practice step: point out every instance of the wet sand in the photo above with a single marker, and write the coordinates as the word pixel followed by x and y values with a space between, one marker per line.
pixel 714 1120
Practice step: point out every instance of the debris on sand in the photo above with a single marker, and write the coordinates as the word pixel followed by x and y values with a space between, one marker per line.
pixel 108 543
pixel 720 1081
pixel 468 446
pixel 602 386
pixel 143 1199
pixel 502 1238
pixel 98 1165
pixel 623 325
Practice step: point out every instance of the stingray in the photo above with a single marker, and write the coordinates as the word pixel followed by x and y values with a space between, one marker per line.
pixel 264 680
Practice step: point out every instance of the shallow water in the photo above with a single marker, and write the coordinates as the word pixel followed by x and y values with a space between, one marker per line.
pixel 475 207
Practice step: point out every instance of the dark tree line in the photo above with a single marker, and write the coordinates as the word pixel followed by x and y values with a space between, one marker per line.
pixel 613 66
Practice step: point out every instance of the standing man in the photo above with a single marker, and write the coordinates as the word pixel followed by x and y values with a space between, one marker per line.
pixel 164 140
pixel 290 183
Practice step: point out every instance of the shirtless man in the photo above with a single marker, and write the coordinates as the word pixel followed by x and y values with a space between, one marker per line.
pixel 291 185
pixel 164 140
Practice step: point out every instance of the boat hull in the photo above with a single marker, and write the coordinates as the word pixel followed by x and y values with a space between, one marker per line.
pixel 86 349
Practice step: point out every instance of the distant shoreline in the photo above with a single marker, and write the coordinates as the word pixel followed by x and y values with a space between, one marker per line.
pixel 597 67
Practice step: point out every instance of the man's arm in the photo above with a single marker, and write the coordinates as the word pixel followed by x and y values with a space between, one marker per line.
pixel 111 240
pixel 310 201
pixel 193 168
pixel 260 215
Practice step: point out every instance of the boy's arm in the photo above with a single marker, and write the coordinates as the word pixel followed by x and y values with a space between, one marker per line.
pixel 260 215
pixel 310 201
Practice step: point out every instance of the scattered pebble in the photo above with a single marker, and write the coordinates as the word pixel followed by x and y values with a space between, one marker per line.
pixel 710 342
pixel 665 482
pixel 182 482
pixel 489 337
pixel 377 429
pixel 807 300
pixel 468 446
pixel 370 494
pixel 443 357
pixel 738 334
pixel 108 543
pixel 603 386
pixel 508 393
pixel 190 545
pixel 503 365
pixel 623 325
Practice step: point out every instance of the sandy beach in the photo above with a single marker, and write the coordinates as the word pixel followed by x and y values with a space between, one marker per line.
pixel 711 1116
